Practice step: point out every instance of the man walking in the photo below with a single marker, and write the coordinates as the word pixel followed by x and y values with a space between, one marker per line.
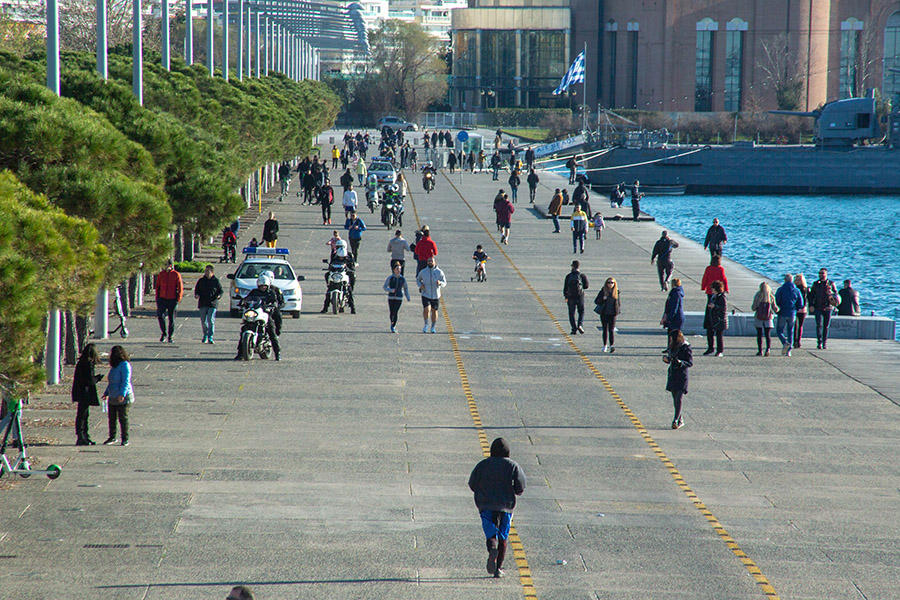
pixel 533 181
pixel 573 291
pixel 207 291
pixel 663 251
pixel 398 247
pixel 715 239
pixel 849 297
pixel 355 226
pixel 824 296
pixel 514 181
pixel 430 280
pixel 555 209
pixel 505 210
pixel 497 481
pixel 789 300
pixel 169 291
pixel 579 228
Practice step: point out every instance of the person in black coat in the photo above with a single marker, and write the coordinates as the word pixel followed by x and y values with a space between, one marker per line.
pixel 84 392
pixel 573 291
pixel 680 358
pixel 716 319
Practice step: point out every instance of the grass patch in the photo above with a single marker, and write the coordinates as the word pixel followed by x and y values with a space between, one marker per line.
pixel 528 134
pixel 191 266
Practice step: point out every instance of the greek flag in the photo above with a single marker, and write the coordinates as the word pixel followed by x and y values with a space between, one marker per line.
pixel 575 74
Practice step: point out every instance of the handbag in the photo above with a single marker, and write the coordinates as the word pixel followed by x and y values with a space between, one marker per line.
pixel 116 400
pixel 598 309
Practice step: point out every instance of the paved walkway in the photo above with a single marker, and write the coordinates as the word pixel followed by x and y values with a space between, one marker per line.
pixel 340 472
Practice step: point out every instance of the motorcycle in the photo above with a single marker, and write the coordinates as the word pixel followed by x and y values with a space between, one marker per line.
pixel 428 181
pixel 373 199
pixel 254 335
pixel 392 211
pixel 338 282
pixel 228 250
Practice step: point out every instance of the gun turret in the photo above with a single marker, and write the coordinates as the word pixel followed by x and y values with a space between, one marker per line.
pixel 842 122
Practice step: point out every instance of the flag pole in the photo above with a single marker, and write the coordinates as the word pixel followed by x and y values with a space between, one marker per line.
pixel 584 92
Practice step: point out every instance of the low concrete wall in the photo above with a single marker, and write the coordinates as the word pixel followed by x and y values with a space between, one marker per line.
pixel 854 328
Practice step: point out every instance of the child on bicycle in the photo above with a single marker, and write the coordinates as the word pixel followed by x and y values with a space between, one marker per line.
pixel 480 257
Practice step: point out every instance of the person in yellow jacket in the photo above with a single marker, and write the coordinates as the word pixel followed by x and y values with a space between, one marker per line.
pixel 335 157
pixel 579 228
pixel 361 171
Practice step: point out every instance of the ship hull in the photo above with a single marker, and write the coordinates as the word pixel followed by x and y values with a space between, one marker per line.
pixel 753 170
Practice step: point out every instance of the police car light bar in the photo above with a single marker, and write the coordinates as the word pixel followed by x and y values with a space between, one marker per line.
pixel 265 251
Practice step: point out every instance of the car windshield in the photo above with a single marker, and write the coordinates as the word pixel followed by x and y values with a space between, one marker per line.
pixel 255 269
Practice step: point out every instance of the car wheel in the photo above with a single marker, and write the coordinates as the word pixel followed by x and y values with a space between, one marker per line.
pixel 296 314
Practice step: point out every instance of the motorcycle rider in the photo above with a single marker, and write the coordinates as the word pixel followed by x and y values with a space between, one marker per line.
pixel 341 256
pixel 229 242
pixel 275 314
pixel 429 169
pixel 266 291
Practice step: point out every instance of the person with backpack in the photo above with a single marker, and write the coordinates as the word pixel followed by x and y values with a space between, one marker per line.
pixel 573 291
pixel 764 309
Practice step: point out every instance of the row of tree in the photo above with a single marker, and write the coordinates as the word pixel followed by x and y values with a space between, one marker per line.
pixel 93 183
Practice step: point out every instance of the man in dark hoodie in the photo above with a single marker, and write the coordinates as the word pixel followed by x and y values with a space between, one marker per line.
pixel 496 482
pixel 663 250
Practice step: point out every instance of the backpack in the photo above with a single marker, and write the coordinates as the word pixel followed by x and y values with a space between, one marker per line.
pixel 574 288
pixel 764 311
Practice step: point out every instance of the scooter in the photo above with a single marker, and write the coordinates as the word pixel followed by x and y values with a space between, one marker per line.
pixel 254 333
pixel 373 199
pixel 338 282
pixel 14 436
pixel 428 181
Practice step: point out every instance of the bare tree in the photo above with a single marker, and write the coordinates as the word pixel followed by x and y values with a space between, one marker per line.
pixel 782 73
pixel 78 24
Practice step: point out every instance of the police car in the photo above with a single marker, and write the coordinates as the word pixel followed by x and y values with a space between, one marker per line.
pixel 383 170
pixel 256 262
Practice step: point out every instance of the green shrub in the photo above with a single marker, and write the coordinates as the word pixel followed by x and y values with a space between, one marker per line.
pixel 191 266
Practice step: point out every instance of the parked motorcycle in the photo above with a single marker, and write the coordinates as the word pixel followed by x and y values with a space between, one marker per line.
pixel 338 282
pixel 254 335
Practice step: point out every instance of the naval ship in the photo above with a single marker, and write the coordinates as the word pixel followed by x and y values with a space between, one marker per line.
pixel 849 156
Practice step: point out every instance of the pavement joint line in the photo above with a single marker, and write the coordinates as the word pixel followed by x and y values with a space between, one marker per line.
pixel 525 580
pixel 751 567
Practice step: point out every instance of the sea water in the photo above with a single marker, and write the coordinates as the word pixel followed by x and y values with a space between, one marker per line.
pixel 856 238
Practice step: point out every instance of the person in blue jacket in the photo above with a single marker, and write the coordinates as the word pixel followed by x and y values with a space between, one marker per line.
pixel 673 316
pixel 355 226
pixel 119 393
pixel 789 300
pixel 680 358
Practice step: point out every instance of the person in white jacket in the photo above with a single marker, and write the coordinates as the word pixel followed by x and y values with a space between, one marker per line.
pixel 430 280
pixel 350 202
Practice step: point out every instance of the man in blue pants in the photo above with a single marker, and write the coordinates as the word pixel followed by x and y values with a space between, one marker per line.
pixel 497 481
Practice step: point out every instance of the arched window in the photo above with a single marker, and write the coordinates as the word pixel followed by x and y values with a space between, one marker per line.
pixel 634 29
pixel 734 62
pixel 891 86
pixel 706 29
pixel 612 34
pixel 850 35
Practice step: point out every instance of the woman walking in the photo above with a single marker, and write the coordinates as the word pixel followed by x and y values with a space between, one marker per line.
pixel 84 392
pixel 119 394
pixel 800 282
pixel 607 302
pixel 396 288
pixel 680 358
pixel 764 308
pixel 716 320
pixel 673 316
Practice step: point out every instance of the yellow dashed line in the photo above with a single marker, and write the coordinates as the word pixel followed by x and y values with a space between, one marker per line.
pixel 515 542
pixel 767 589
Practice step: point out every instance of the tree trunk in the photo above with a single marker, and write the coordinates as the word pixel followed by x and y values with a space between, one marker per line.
pixel 179 245
pixel 72 349
pixel 82 329
pixel 188 243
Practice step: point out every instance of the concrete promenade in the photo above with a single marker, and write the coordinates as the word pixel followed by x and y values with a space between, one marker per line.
pixel 341 471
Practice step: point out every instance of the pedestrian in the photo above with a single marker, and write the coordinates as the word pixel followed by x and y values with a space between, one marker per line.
pixel 355 226
pixel 662 251
pixel 495 166
pixel 715 239
pixel 789 300
pixel 763 307
pixel 555 209
pixel 565 195
pixel 169 291
pixel 497 481
pixel 396 288
pixel 505 210
pixel 240 592
pixel 529 159
pixel 270 231
pixel 680 358
pixel 714 272
pixel 451 162
pixel 425 249
pixel 361 171
pixel 346 179
pixel 349 201
pixel 207 291
pixel 571 165
pixel 430 280
pixel 573 291
pixel 326 200
pixel 119 394
pixel 716 319
pixel 84 392
pixel 580 196
pixel 398 247
pixel 335 157
pixel 598 224
pixel 498 199
pixel 514 181
pixel 579 229
pixel 800 282
pixel 849 298
pixel 636 196
pixel 606 304
pixel 825 298
pixel 673 315
pixel 533 181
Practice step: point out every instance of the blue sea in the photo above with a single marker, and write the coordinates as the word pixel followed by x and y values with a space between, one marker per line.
pixel 856 238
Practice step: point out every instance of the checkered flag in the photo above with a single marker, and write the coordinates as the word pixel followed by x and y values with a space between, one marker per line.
pixel 575 74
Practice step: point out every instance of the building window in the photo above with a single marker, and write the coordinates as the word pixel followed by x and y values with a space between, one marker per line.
pixel 850 35
pixel 704 65
pixel 891 86
pixel 633 30
pixel 543 60
pixel 612 30
pixel 734 61
pixel 498 64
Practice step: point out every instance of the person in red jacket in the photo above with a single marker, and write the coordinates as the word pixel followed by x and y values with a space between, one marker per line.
pixel 425 249
pixel 169 290
pixel 505 209
pixel 714 272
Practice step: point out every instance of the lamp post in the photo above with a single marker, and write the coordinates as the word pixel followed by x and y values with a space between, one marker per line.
pixel 486 96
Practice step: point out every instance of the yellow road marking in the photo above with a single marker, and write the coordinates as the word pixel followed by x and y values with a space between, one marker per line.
pixel 767 589
pixel 515 542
